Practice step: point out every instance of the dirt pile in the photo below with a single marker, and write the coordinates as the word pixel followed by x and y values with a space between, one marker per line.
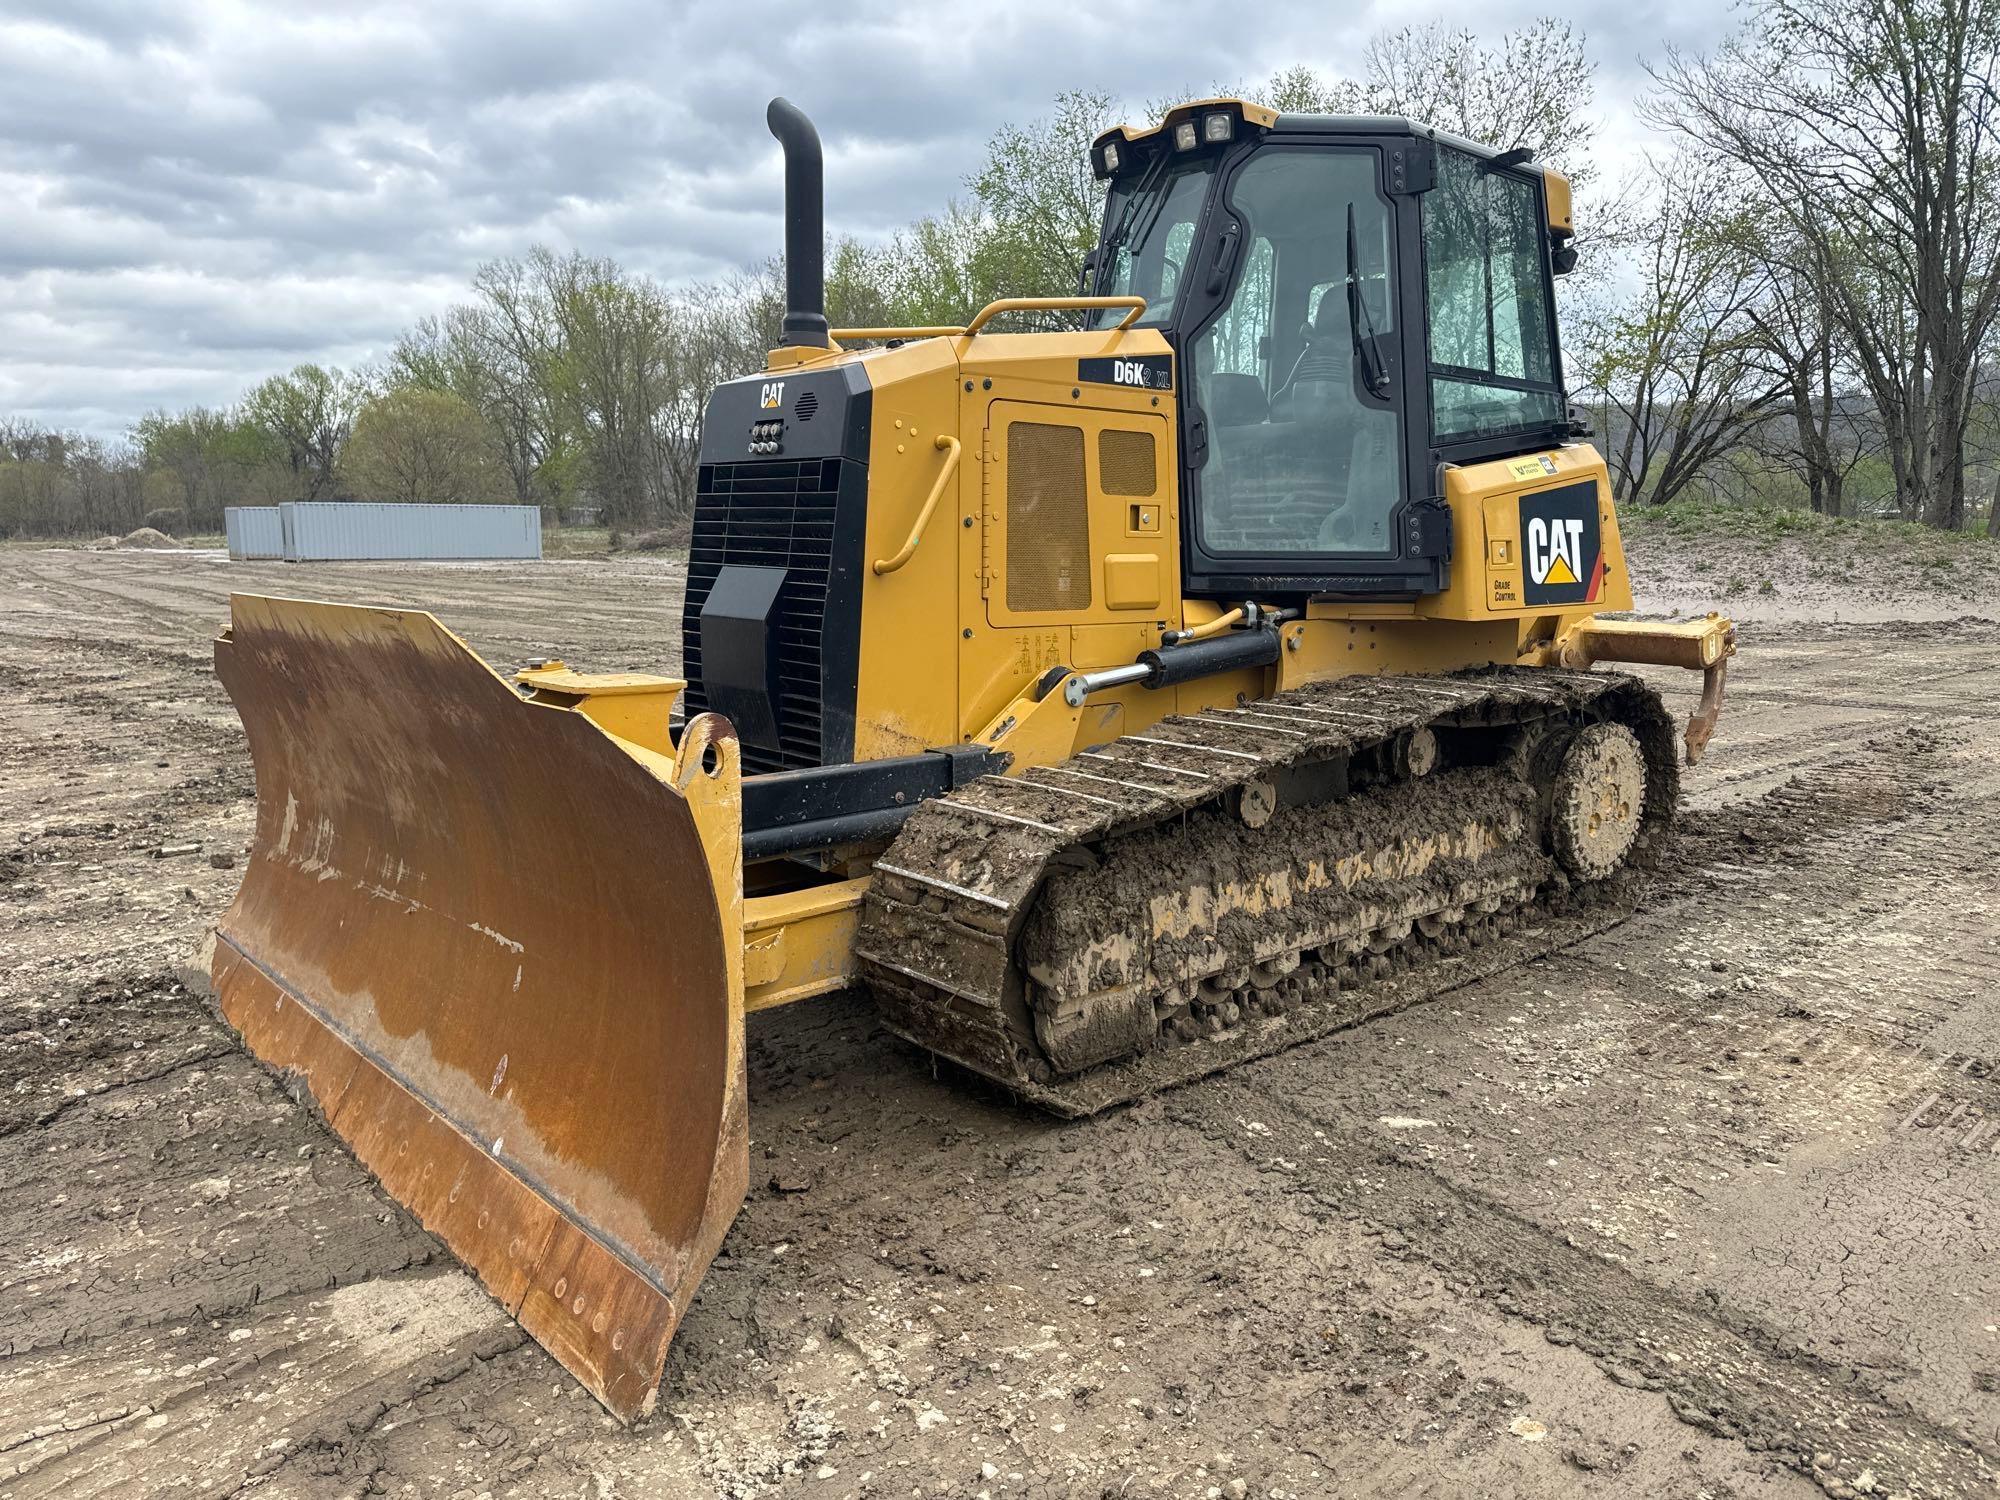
pixel 145 537
pixel 673 537
pixel 1687 558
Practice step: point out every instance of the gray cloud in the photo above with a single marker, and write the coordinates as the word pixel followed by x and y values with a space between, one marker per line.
pixel 201 194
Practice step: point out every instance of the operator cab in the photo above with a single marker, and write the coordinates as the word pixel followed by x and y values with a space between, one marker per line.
pixel 1352 301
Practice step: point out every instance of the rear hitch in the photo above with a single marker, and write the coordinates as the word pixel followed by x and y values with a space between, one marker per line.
pixel 1703 645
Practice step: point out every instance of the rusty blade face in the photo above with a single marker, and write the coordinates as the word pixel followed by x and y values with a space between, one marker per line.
pixel 500 947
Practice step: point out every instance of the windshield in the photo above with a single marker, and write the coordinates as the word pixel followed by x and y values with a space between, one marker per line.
pixel 1150 223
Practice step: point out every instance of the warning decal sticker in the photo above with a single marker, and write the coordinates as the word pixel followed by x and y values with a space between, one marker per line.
pixel 1561 546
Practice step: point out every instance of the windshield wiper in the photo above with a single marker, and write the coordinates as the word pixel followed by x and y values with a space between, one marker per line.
pixel 1155 170
pixel 1114 242
pixel 1358 317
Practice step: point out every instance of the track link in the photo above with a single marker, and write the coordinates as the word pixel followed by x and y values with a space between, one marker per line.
pixel 1235 881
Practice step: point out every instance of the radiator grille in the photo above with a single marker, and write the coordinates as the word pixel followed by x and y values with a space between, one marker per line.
pixel 1126 463
pixel 1048 518
pixel 774 515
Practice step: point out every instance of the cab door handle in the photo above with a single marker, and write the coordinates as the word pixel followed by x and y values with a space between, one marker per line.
pixel 1225 261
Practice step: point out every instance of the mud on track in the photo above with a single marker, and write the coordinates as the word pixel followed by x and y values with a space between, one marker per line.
pixel 1703 1202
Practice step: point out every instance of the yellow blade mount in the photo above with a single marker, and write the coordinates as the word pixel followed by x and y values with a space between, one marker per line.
pixel 502 949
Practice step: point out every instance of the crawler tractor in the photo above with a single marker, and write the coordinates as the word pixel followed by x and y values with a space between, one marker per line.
pixel 1112 701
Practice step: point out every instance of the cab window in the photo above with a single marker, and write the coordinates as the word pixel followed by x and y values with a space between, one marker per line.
pixel 1295 375
pixel 1486 286
pixel 1150 226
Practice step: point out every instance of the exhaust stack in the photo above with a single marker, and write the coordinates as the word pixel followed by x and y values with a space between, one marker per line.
pixel 805 226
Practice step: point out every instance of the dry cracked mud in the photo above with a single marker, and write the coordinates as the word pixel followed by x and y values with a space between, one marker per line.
pixel 1701 1202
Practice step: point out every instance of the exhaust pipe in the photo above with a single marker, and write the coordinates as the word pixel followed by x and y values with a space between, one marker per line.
pixel 805 226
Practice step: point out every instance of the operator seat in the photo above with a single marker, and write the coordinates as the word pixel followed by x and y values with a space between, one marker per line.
pixel 1353 438
pixel 1327 360
pixel 1235 400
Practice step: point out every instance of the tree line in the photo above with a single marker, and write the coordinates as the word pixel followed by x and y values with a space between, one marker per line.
pixel 1818 260
pixel 1793 302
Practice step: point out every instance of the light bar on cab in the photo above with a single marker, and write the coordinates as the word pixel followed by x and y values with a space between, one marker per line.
pixel 1188 128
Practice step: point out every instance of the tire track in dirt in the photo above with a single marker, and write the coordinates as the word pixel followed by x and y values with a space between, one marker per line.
pixel 1734 1378
pixel 224 1405
pixel 1852 797
pixel 939 1280
pixel 1723 1369
pixel 234 1199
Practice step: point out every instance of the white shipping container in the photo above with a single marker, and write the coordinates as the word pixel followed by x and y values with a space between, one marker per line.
pixel 254 531
pixel 356 530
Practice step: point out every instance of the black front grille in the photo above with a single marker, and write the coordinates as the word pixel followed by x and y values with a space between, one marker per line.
pixel 772 514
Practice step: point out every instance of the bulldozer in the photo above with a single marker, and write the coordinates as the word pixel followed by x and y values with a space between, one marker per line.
pixel 1114 700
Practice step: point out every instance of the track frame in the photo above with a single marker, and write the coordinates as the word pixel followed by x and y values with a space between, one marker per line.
pixel 946 938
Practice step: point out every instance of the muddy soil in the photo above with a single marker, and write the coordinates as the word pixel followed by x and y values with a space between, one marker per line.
pixel 1703 1203
pixel 1754 567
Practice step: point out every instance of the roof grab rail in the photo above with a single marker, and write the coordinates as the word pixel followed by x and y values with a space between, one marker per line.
pixel 1134 306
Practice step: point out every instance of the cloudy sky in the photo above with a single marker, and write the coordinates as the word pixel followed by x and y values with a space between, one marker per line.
pixel 197 193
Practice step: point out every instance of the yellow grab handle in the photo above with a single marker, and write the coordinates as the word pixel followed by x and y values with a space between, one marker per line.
pixel 950 445
pixel 1133 306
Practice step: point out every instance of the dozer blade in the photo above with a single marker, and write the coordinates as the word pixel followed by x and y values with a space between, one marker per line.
pixel 502 948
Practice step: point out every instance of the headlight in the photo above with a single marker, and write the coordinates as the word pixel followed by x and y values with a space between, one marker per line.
pixel 1110 156
pixel 1217 127
pixel 1184 136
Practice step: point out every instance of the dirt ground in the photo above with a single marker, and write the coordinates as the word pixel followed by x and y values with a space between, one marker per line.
pixel 1701 1205
pixel 1791 566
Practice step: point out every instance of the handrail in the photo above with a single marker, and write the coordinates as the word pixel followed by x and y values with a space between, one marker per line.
pixel 1134 306
pixel 938 331
pixel 951 446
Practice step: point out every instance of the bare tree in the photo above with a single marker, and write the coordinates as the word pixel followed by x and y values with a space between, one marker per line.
pixel 1532 88
pixel 424 446
pixel 1675 363
pixel 309 413
pixel 1042 200
pixel 1870 122
pixel 55 483
pixel 608 374
pixel 722 331
pixel 513 326
pixel 466 353
pixel 1802 346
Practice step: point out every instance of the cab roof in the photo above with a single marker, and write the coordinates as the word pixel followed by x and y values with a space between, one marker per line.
pixel 1263 117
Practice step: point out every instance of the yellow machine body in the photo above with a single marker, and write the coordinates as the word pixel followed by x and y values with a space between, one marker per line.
pixel 507 934
pixel 944 404
pixel 944 407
